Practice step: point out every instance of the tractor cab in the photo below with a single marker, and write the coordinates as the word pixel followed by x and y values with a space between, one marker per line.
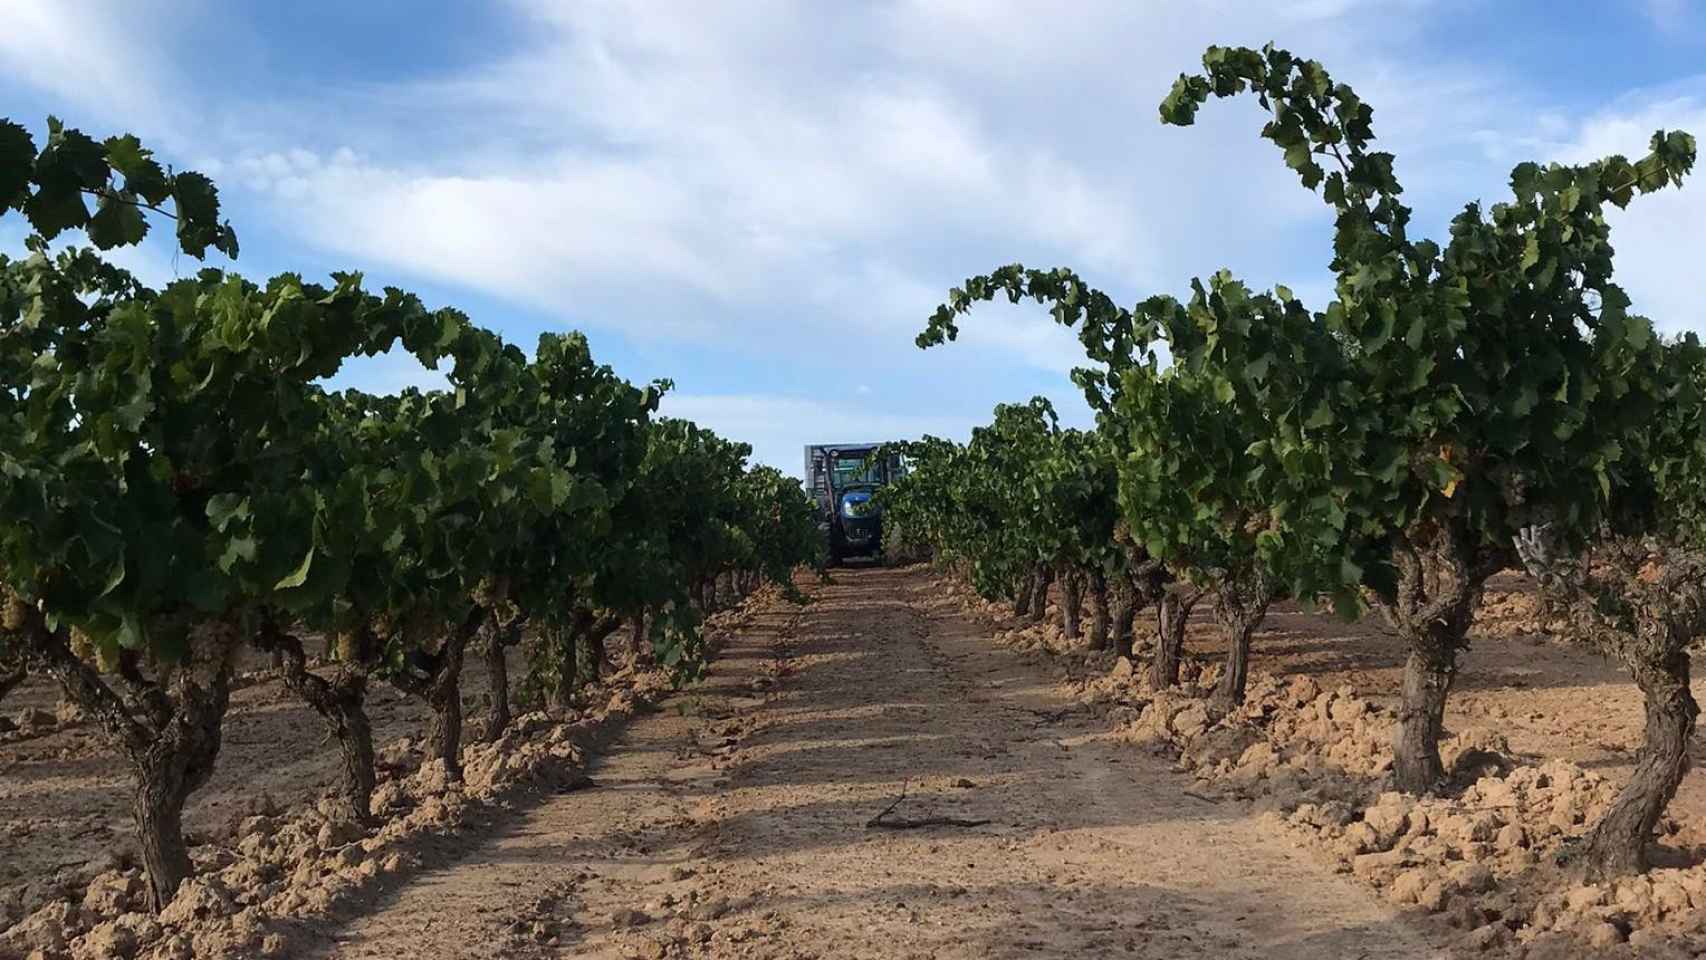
pixel 844 479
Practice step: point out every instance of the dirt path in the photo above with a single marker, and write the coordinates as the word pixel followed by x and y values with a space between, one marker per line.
pixel 733 823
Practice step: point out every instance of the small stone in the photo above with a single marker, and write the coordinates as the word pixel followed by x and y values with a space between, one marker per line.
pixel 46 928
pixel 36 718
pixel 1495 792
pixel 1472 877
pixel 1432 897
pixel 1481 827
pixel 1388 820
pixel 1670 897
pixel 66 713
pixel 1650 944
pixel 1359 838
pixel 198 898
pixel 397 753
pixel 1407 887
pixel 336 833
pixel 1634 895
pixel 1580 899
pixel 1603 936
pixel 1488 936
pixel 175 947
pixel 1191 721
pixel 1510 837
pixel 629 917
pixel 1345 711
pixel 1421 824
pixel 106 940
pixel 1324 816
pixel 711 909
pixel 116 892
pixel 1301 690
pixel 1372 866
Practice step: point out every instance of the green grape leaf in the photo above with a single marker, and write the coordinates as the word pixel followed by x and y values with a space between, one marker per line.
pixel 299 576
pixel 117 222
pixel 17 158
pixel 143 176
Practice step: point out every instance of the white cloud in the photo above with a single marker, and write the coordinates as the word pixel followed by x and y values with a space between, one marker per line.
pixel 779 427
pixel 387 373
pixel 89 54
pixel 776 178
pixel 1658 238
pixel 1670 16
pixel 763 148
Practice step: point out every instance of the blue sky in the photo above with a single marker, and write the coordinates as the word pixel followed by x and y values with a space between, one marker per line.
pixel 763 201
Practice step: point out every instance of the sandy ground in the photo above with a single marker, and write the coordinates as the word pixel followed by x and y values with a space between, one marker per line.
pixel 1548 698
pixel 65 793
pixel 734 823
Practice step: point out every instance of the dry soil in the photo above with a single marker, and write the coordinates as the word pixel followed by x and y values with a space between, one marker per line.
pixel 736 821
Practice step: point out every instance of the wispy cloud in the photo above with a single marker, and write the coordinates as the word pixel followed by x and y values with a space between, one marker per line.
pixel 1668 15
pixel 91 55
pixel 1660 239
pixel 776 194
pixel 778 427
pixel 759 149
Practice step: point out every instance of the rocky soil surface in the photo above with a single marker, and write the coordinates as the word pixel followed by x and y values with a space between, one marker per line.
pixel 738 822
pixel 1489 864
pixel 894 770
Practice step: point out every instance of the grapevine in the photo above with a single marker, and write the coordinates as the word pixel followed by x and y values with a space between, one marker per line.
pixel 177 483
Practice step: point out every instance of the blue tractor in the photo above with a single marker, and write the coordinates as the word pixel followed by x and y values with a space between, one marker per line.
pixel 843 478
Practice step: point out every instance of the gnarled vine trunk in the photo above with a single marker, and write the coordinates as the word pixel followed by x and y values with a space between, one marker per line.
pixel 341 704
pixel 1071 601
pixel 1141 585
pixel 1617 843
pixel 1172 612
pixel 565 648
pixel 176 764
pixel 591 657
pixel 1645 605
pixel 580 650
pixel 1022 600
pixel 1039 596
pixel 1240 605
pixel 642 648
pixel 593 643
pixel 1429 671
pixel 1124 618
pixel 168 729
pixel 1439 581
pixel 444 735
pixel 442 690
pixel 1098 610
pixel 497 668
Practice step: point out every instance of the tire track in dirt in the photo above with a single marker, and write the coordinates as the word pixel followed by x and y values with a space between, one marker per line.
pixel 732 823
